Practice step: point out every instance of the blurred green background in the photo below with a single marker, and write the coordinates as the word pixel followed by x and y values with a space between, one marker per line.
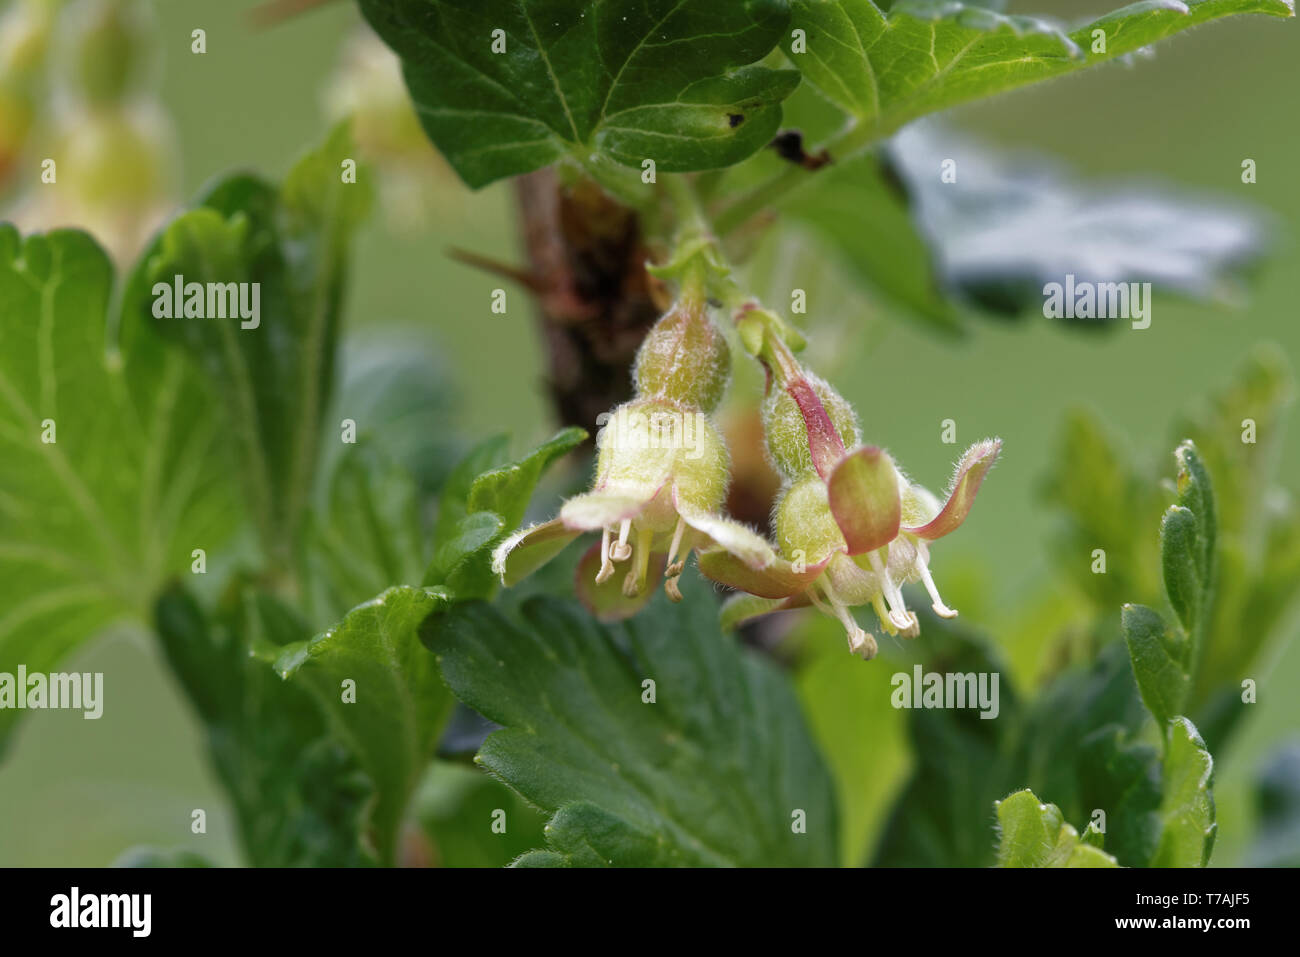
pixel 75 792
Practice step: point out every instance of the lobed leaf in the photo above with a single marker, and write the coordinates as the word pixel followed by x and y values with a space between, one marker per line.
pixel 715 771
pixel 888 68
pixel 503 87
pixel 394 705
pixel 1034 834
pixel 137 472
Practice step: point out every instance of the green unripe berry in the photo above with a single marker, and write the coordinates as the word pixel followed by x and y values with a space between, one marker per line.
pixel 107 48
pixel 115 157
pixel 684 359
pixel 787 430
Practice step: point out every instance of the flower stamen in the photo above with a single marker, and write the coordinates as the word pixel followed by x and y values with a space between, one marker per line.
pixel 606 566
pixel 675 567
pixel 622 550
pixel 861 642
pixel 940 609
pixel 635 580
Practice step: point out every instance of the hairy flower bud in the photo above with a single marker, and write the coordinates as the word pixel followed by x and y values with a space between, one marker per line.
pixel 684 358
pixel 645 441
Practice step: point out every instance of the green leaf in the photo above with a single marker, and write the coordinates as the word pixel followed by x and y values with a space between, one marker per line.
pixel 715 771
pixel 886 69
pixel 1034 834
pixel 961 761
pixel 367 535
pixel 507 490
pixel 862 735
pixel 161 857
pixel 299 797
pixel 275 370
pixel 1256 534
pixel 477 513
pixel 474 820
pixel 1160 658
pixel 1187 804
pixel 1180 545
pixel 1102 501
pixel 668 80
pixel 137 475
pixel 395 706
pixel 1121 777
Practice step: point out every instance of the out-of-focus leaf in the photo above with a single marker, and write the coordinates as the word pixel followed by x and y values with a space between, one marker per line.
pixel 1238 432
pixel 383 693
pixel 862 735
pixel 1102 502
pixel 1277 799
pixel 1034 834
pixel 299 797
pixel 161 857
pixel 668 80
pixel 474 820
pixel 864 215
pixel 1187 804
pixel 1010 225
pixel 962 761
pixel 136 472
pixel 717 770
pixel 925 55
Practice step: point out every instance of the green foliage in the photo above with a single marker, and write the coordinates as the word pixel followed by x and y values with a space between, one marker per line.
pixel 473 820
pixel 299 797
pixel 714 771
pixel 1187 820
pixel 275 378
pixel 136 472
pixel 485 499
pixel 1033 834
pixel 668 80
pixel 161 857
pixel 394 709
pixel 887 68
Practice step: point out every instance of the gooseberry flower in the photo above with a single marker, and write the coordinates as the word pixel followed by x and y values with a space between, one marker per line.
pixel 661 476
pixel 851 528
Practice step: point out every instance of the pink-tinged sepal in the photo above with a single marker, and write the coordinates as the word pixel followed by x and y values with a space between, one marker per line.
pixel 743 542
pixel 781 579
pixel 972 468
pixel 863 492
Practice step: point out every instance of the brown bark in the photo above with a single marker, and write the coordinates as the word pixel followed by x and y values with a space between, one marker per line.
pixel 596 302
